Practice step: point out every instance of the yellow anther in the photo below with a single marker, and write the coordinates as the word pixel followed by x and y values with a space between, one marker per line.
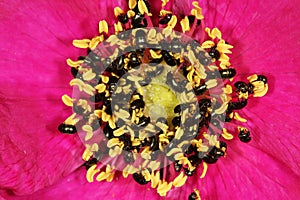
pixel 72 120
pixel 101 87
pixel 113 142
pixel 87 154
pixel 118 27
pixel 155 178
pixel 84 43
pixel 111 123
pixel 164 2
pixel 185 25
pixel 252 78
pixel 132 4
pixel 142 7
pixel 130 13
pixel 164 12
pixel 75 64
pixel 174 151
pixel 89 132
pixel 180 180
pixel 91 172
pixel 118 11
pixel 226 135
pixel 222 108
pixel 172 23
pixel 104 79
pixel 262 92
pixel 211 83
pixel 105 117
pixel 239 118
pixel 77 82
pixel 155 55
pixel 103 27
pixel 68 101
pixel 197 11
pixel 223 47
pixel 95 41
pixel 88 75
pixel 214 33
pixel 227 89
pixel 153 165
pixel 207 44
pixel 205 166
pixel 163 188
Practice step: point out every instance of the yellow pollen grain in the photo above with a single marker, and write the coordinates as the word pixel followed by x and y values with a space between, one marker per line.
pixel 146 175
pixel 197 11
pixel 185 25
pixel 155 179
pixel 75 64
pixel 164 2
pixel 104 79
pixel 174 151
pixel 87 154
pixel 119 131
pixel 89 131
pixel 103 27
pixel 130 13
pixel 91 172
pixel 142 7
pixel 222 108
pixel 211 83
pixel 226 135
pixel 205 166
pixel 83 44
pixel 89 75
pixel 68 101
pixel 155 55
pixel 77 82
pixel 164 12
pixel 252 78
pixel 227 89
pixel 261 93
pixel 239 118
pixel 118 11
pixel 88 89
pixel 110 178
pixel 153 165
pixel 112 123
pixel 132 4
pixel 118 27
pixel 172 23
pixel 71 119
pixel 113 142
pixel 100 88
pixel 163 188
pixel 102 176
pixel 207 44
pixel 180 180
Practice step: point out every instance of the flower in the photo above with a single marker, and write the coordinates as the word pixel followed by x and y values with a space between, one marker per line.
pixel 34 76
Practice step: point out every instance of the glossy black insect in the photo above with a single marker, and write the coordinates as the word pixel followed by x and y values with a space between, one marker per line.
pixel 143 121
pixel 140 37
pixel 169 59
pixel 244 135
pixel 74 72
pixel 241 87
pixel 188 172
pixel 262 78
pixel 237 105
pixel 193 196
pixel 177 166
pixel 176 121
pixel 139 21
pixel 194 160
pixel 126 139
pixel 201 89
pixel 134 60
pixel 165 19
pixel 108 132
pixel 227 73
pixel 124 35
pixel 140 179
pixel 177 109
pixel 67 128
pixel 137 104
pixel 192 19
pixel 90 163
pixel 123 18
pixel 154 143
pixel 214 53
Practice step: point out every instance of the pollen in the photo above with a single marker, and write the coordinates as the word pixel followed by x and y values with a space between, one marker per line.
pixel 150 104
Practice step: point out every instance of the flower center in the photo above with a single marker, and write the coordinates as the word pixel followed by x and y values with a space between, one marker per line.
pixel 150 99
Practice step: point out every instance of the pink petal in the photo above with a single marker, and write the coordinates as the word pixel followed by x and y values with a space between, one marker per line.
pixel 34 76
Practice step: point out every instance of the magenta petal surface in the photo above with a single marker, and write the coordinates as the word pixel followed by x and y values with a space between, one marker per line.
pixel 36 41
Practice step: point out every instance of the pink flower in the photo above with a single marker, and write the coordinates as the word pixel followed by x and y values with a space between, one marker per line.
pixel 37 162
